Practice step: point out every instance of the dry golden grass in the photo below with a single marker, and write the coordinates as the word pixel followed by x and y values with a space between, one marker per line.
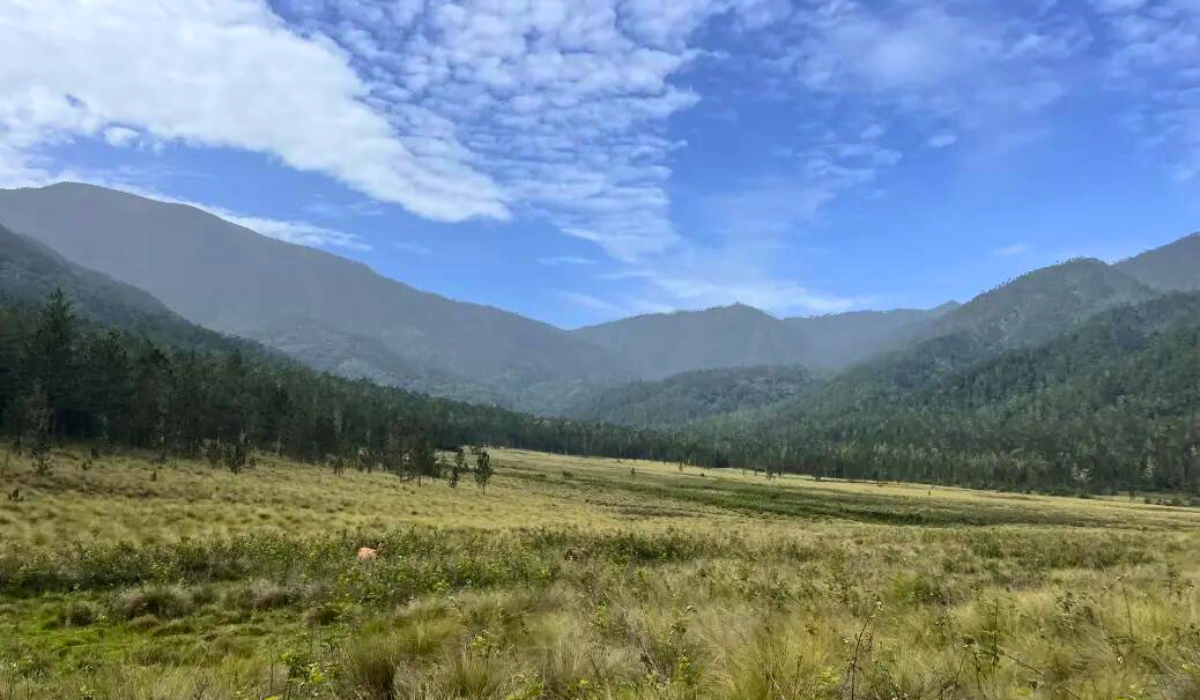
pixel 583 578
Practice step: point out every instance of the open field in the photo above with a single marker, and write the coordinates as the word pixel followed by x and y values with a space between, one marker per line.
pixel 581 578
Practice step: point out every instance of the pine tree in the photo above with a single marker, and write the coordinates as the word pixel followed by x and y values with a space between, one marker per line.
pixel 483 469
pixel 36 416
pixel 457 469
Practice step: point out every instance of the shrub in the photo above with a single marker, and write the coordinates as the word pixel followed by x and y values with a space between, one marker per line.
pixel 76 613
pixel 159 601
pixel 260 595
pixel 370 667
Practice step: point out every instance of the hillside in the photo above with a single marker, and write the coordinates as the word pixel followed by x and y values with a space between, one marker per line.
pixel 1116 396
pixel 1142 356
pixel 1172 268
pixel 838 340
pixel 661 345
pixel 693 395
pixel 233 280
pixel 30 272
pixel 1029 310
pixel 1040 305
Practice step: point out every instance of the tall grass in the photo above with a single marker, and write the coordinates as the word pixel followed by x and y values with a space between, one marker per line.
pixel 602 585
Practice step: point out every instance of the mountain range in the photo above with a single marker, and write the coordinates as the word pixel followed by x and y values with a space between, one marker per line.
pixel 340 316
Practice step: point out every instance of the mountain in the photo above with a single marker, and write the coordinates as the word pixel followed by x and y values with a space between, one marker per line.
pixel 1040 305
pixel 1171 268
pixel 1144 352
pixel 839 340
pixel 1024 312
pixel 1112 401
pixel 231 279
pixel 693 395
pixel 30 272
pixel 661 345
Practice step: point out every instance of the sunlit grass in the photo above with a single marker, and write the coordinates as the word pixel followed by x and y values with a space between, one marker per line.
pixel 581 578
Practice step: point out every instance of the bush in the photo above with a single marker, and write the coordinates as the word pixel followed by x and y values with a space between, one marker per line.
pixel 260 595
pixel 76 613
pixel 370 666
pixel 159 601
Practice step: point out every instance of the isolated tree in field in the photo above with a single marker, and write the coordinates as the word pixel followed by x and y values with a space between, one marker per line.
pixel 422 461
pixel 237 454
pixel 457 469
pixel 483 469
pixel 36 415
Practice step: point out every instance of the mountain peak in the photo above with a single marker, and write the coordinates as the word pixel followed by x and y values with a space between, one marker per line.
pixel 1174 267
pixel 1038 305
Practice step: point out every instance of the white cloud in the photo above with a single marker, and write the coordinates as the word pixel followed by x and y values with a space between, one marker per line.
pixel 564 103
pixel 413 248
pixel 1013 250
pixel 594 303
pixel 298 232
pixel 935 69
pixel 941 141
pixel 219 73
pixel 119 136
pixel 1154 54
pixel 565 260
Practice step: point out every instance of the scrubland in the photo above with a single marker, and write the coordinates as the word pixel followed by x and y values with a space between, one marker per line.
pixel 580 578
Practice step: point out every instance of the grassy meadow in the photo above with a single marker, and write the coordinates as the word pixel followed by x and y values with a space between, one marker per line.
pixel 581 578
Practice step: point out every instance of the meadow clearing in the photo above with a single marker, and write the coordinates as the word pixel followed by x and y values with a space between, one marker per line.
pixel 581 578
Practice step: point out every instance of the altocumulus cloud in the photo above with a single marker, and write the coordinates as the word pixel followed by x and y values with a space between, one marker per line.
pixel 223 73
pixel 560 110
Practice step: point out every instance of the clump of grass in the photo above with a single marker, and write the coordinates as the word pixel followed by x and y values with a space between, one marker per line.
pixel 260 595
pixel 77 613
pixel 371 665
pixel 326 613
pixel 163 602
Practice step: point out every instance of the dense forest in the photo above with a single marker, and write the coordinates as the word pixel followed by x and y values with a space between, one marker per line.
pixel 691 396
pixel 1112 405
pixel 65 377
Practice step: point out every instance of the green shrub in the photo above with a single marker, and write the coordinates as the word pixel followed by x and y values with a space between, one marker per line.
pixel 159 601
pixel 77 613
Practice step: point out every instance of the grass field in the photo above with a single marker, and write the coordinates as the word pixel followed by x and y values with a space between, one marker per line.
pixel 581 578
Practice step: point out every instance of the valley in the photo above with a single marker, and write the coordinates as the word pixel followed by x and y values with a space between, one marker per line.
pixel 575 577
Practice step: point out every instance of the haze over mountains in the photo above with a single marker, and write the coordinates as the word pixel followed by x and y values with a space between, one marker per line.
pixel 340 316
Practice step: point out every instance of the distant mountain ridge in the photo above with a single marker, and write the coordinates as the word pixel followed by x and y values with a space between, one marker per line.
pixel 836 341
pixel 30 272
pixel 1029 311
pixel 1174 267
pixel 233 280
pixel 691 396
pixel 340 316
pixel 1041 304
pixel 661 345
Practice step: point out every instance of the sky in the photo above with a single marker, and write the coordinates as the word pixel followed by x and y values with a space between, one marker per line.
pixel 578 161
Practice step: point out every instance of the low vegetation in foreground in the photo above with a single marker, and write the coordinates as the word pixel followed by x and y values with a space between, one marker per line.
pixel 580 578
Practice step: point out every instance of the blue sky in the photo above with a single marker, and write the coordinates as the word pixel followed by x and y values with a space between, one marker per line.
pixel 581 160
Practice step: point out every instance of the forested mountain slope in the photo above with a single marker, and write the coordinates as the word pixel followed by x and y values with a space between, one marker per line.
pixel 1040 305
pixel 836 341
pixel 693 395
pixel 661 345
pixel 1113 401
pixel 63 379
pixel 30 272
pixel 1171 268
pixel 233 280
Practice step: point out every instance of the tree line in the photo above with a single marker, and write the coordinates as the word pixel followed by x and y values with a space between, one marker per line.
pixel 64 378
pixel 1030 420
